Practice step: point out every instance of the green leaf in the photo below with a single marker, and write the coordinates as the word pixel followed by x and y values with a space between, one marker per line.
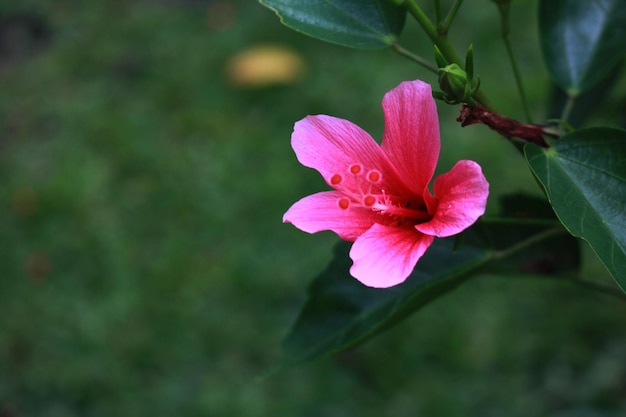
pixel 525 216
pixel 584 177
pixel 588 103
pixel 367 24
pixel 341 313
pixel 582 40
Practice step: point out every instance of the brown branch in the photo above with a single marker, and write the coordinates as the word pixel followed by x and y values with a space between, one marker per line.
pixel 507 127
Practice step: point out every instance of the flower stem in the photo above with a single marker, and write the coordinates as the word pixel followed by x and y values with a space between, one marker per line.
pixel 438 12
pixel 567 108
pixel 546 234
pixel 415 58
pixel 501 254
pixel 586 283
pixel 438 39
pixel 604 289
pixel 441 40
pixel 450 17
pixel 504 8
pixel 519 221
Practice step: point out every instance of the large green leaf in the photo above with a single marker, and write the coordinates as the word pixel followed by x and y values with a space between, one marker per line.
pixel 367 24
pixel 582 40
pixel 341 313
pixel 591 102
pixel 522 217
pixel 584 177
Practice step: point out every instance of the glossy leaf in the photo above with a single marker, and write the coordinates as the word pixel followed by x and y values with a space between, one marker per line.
pixel 584 177
pixel 367 24
pixel 341 313
pixel 524 216
pixel 582 40
pixel 591 102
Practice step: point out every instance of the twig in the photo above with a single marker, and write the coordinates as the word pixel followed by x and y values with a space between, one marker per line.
pixel 507 127
pixel 520 221
pixel 450 17
pixel 567 108
pixel 415 58
pixel 504 7
pixel 604 289
pixel 441 40
pixel 501 254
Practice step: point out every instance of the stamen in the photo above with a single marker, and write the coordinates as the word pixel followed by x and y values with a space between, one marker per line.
pixel 336 179
pixel 355 169
pixel 374 176
pixel 365 191
pixel 343 203
pixel 369 200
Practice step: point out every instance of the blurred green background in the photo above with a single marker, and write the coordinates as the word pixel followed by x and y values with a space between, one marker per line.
pixel 144 268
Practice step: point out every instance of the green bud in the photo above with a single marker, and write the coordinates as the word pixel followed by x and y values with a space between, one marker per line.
pixel 453 82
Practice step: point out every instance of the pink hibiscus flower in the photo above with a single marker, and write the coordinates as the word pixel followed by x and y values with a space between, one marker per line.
pixel 381 200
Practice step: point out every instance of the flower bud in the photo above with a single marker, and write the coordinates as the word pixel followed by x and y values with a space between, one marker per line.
pixel 453 82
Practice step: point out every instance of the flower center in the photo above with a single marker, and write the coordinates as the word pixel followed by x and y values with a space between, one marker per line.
pixel 366 192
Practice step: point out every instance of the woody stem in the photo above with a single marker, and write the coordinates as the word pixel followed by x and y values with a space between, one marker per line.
pixel 507 127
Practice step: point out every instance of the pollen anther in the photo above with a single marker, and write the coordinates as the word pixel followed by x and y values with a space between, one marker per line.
pixel 355 169
pixel 374 176
pixel 343 203
pixel 369 200
pixel 336 179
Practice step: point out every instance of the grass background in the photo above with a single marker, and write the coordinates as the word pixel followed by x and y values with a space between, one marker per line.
pixel 144 269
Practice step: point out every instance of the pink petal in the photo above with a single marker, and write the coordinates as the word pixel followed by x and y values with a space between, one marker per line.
pixel 385 256
pixel 320 211
pixel 462 194
pixel 330 145
pixel 411 138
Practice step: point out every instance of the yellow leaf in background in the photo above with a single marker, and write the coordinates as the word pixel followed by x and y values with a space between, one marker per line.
pixel 265 65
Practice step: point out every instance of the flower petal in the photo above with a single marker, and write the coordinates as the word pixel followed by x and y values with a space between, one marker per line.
pixel 330 145
pixel 385 256
pixel 411 138
pixel 462 194
pixel 321 211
